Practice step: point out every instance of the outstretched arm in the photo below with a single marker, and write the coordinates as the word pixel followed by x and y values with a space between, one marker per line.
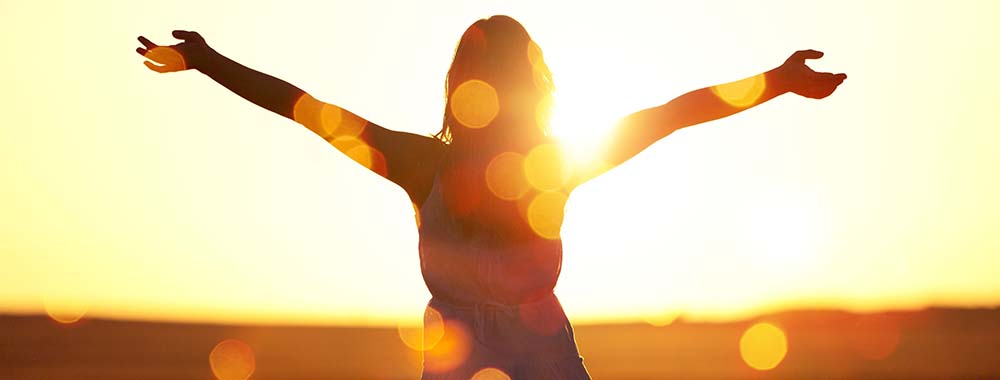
pixel 638 131
pixel 261 89
pixel 404 158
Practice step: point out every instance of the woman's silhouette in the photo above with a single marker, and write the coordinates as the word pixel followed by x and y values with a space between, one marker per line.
pixel 490 186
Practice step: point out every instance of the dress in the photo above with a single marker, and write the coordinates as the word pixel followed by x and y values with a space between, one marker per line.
pixel 494 295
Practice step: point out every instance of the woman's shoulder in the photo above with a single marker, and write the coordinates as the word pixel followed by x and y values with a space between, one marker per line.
pixel 411 160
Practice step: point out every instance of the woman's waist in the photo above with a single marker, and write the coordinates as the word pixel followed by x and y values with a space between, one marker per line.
pixel 465 303
pixel 481 239
pixel 531 328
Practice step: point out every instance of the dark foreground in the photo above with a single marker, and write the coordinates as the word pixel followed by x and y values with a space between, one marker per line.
pixel 929 344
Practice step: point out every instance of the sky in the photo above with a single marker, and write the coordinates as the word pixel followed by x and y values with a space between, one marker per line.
pixel 129 194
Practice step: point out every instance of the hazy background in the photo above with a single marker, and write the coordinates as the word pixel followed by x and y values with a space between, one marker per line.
pixel 129 194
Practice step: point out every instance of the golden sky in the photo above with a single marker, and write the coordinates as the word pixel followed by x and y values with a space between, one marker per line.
pixel 136 195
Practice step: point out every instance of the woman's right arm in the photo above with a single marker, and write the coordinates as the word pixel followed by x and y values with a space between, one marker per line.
pixel 261 89
pixel 407 159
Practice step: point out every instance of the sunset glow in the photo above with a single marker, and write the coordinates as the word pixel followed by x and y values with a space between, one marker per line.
pixel 131 194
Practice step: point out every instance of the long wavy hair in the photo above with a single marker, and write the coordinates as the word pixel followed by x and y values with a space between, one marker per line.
pixel 499 51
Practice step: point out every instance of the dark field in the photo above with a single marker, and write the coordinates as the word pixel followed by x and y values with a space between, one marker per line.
pixel 928 344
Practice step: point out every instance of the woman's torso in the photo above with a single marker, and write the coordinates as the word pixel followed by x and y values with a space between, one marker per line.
pixel 492 274
pixel 477 247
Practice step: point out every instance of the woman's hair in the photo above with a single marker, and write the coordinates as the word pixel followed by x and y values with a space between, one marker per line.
pixel 499 52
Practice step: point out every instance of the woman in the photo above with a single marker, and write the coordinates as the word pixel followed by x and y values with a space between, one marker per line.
pixel 490 186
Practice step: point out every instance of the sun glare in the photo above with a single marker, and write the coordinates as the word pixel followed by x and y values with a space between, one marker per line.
pixel 578 122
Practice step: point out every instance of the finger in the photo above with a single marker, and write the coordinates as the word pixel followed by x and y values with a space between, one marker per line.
pixel 141 51
pixel 824 80
pixel 803 55
pixel 155 67
pixel 146 42
pixel 836 79
pixel 185 35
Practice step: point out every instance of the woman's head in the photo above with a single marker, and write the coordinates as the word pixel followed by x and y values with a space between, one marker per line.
pixel 497 85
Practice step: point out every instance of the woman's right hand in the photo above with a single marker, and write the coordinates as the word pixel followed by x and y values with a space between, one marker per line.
pixel 189 54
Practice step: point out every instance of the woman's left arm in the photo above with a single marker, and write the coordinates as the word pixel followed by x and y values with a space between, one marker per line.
pixel 639 130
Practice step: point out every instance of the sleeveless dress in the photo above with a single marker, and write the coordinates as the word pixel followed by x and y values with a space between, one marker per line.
pixel 492 298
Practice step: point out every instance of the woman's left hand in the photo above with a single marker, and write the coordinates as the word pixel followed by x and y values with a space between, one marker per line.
pixel 802 80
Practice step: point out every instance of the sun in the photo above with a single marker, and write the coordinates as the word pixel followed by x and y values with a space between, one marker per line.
pixel 579 120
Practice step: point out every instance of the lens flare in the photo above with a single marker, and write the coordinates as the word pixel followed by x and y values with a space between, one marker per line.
pixel 433 328
pixel 490 373
pixel 362 153
pixel 308 112
pixel 327 120
pixel 411 335
pixel 763 346
pixel 232 359
pixel 338 122
pixel 451 349
pixel 167 56
pixel 475 103
pixel 545 167
pixel 742 93
pixel 661 318
pixel 425 337
pixel 545 214
pixel 65 310
pixel 505 176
